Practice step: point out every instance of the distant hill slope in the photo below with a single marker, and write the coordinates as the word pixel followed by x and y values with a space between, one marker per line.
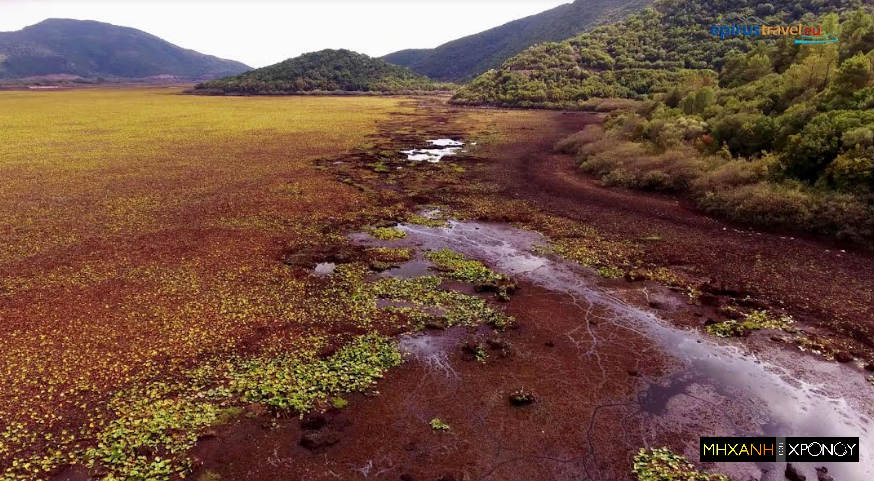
pixel 90 49
pixel 650 51
pixel 325 70
pixel 467 57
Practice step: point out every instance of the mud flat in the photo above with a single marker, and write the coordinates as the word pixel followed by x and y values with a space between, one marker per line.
pixel 607 377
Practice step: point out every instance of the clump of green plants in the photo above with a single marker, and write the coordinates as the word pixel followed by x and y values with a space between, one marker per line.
pixel 387 233
pixel 821 346
pixel 752 321
pixel 588 248
pixel 382 258
pixel 481 354
pixel 397 303
pixel 390 254
pixel 457 266
pixel 476 351
pixel 438 425
pixel 610 272
pixel 289 382
pixel 426 221
pixel 425 294
pixel 150 437
pixel 662 464
pixel 339 403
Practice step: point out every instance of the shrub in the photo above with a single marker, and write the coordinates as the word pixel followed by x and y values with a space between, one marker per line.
pixel 572 143
pixel 791 205
pixel 744 190
pixel 820 141
pixel 630 165
pixel 733 173
pixel 851 171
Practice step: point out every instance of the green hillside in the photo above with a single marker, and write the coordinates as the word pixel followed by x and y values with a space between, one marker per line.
pixel 650 51
pixel 90 49
pixel 782 136
pixel 467 57
pixel 325 70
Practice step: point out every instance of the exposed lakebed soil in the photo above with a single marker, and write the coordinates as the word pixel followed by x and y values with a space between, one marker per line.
pixel 327 247
pixel 606 377
pixel 611 364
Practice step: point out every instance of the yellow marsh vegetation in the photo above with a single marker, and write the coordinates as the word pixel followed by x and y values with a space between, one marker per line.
pixel 140 228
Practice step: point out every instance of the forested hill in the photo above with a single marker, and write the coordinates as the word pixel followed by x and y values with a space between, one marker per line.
pixel 649 51
pixel 767 132
pixel 324 71
pixel 467 57
pixel 89 49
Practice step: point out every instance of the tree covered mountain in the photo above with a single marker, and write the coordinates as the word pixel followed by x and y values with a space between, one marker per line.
pixel 650 51
pixel 467 57
pixel 89 49
pixel 325 70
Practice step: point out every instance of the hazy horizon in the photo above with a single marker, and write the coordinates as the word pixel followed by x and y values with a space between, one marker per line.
pixel 263 33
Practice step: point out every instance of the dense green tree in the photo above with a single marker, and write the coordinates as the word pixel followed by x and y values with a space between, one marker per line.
pixel 857 34
pixel 855 73
pixel 820 141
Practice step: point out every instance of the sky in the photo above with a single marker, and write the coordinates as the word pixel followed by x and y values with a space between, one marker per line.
pixel 261 33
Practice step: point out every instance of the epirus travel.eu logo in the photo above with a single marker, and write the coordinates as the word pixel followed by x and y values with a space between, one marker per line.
pixel 756 27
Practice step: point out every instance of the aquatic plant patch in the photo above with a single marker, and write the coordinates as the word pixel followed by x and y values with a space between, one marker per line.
pixel 438 425
pixel 426 221
pixel 387 233
pixel 457 266
pixel 662 464
pixel 752 321
pixel 286 382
